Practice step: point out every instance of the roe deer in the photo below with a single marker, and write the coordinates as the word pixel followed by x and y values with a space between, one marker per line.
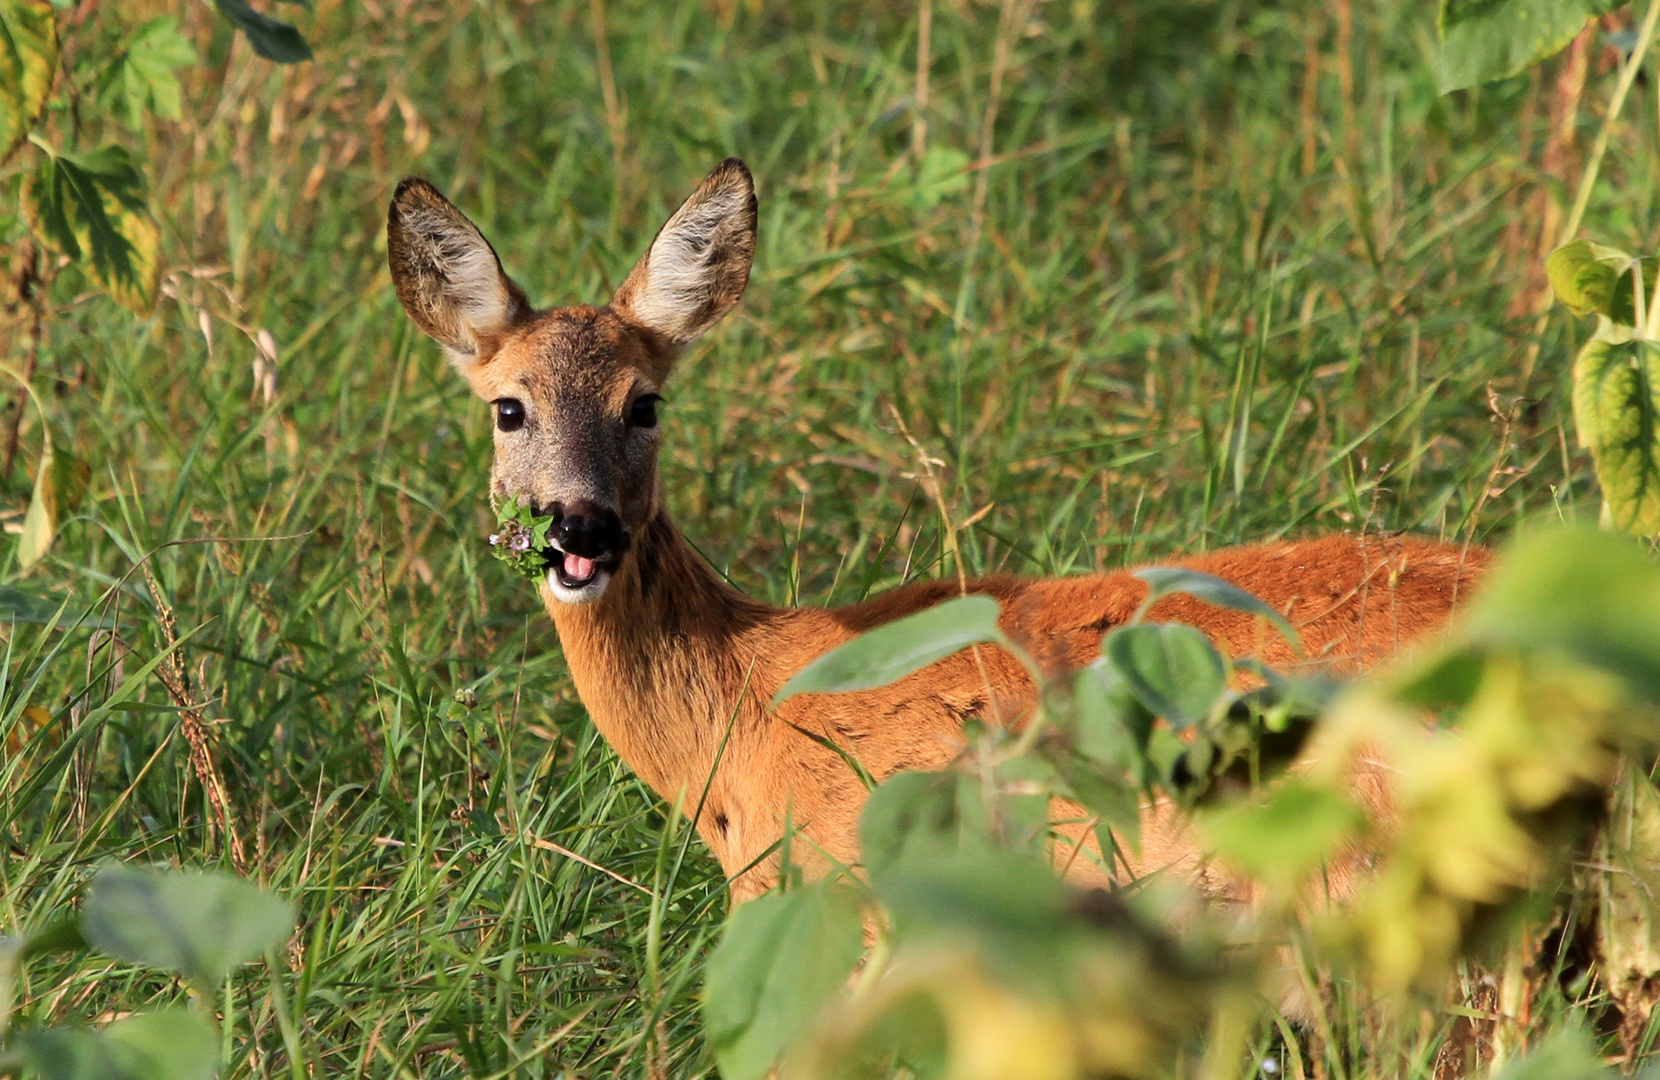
pixel 668 658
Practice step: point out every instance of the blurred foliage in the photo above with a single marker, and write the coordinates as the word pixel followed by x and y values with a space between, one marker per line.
pixel 986 964
pixel 199 926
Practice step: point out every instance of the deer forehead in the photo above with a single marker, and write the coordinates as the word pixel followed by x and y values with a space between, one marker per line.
pixel 569 357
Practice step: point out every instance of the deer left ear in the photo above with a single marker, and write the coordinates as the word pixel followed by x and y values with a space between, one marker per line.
pixel 447 275
pixel 698 266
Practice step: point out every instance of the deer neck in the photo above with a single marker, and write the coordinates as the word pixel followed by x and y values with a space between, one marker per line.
pixel 658 660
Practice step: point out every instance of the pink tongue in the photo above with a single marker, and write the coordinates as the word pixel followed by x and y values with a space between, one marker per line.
pixel 577 568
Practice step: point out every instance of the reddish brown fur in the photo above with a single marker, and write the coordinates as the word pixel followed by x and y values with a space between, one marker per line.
pixel 671 662
pixel 680 655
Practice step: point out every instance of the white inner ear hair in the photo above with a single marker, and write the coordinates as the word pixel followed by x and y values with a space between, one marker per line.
pixel 467 272
pixel 679 283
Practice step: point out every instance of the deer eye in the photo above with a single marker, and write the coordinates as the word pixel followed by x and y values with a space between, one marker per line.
pixel 643 413
pixel 510 413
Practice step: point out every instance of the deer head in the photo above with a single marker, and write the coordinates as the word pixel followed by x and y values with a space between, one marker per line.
pixel 575 389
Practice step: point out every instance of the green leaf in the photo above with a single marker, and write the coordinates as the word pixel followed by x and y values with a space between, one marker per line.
pixel 1617 411
pixel 1283 837
pixel 915 815
pixel 1484 40
pixel 1115 800
pixel 889 653
pixel 28 61
pixel 60 483
pixel 943 172
pixel 271 38
pixel 139 79
pixel 781 958
pixel 1111 724
pixel 1172 668
pixel 168 1045
pixel 1014 905
pixel 93 204
pixel 62 935
pixel 1164 580
pixel 201 925
pixel 1585 594
pixel 1450 681
pixel 21 605
pixel 1565 1054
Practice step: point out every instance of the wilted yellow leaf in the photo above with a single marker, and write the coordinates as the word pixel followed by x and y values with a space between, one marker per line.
pixel 60 482
pixel 28 59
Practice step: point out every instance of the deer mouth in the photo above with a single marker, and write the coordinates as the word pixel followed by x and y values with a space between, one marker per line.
pixel 577 579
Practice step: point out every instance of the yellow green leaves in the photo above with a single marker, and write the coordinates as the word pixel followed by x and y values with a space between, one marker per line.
pixel 28 60
pixel 1616 401
pixel 92 206
pixel 1617 415
pixel 1553 675
pixel 1595 279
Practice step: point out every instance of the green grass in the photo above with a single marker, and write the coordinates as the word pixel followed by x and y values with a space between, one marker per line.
pixel 1189 295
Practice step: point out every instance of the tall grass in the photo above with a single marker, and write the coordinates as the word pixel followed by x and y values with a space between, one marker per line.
pixel 1171 276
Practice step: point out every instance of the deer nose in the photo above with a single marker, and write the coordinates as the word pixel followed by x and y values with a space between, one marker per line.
pixel 588 530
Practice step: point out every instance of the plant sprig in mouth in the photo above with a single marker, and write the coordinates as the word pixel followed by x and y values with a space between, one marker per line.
pixel 521 539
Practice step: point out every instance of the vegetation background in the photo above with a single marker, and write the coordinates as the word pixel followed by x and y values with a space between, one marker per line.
pixel 1110 282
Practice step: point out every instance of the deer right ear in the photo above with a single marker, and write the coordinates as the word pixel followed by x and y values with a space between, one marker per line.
pixel 447 275
pixel 698 266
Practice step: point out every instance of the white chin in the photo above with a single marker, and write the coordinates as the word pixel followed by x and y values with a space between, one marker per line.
pixel 585 594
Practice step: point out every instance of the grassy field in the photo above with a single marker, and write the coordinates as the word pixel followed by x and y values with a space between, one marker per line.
pixel 1130 280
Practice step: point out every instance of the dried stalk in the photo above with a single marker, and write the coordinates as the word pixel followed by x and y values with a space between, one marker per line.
pixel 196 729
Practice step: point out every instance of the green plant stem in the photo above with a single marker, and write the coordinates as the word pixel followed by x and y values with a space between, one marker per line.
pixel 1628 75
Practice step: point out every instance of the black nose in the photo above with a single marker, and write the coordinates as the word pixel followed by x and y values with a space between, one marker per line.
pixel 588 530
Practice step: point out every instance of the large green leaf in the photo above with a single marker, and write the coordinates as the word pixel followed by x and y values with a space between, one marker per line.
pixel 93 205
pixel 1589 595
pixel 921 814
pixel 1164 580
pixel 1483 40
pixel 28 60
pixel 1111 725
pixel 201 925
pixel 167 1045
pixel 1617 411
pixel 889 653
pixel 271 38
pixel 139 79
pixel 780 959
pixel 1285 835
pixel 1172 668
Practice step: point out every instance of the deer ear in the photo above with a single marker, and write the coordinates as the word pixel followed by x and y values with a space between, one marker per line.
pixel 698 266
pixel 447 275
